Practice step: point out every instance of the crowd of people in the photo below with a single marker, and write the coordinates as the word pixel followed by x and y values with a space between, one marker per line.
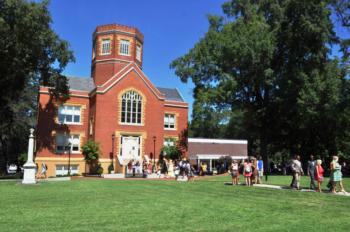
pixel 252 170
pixel 316 171
pixel 164 168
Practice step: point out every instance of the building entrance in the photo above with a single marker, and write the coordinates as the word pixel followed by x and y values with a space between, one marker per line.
pixel 131 147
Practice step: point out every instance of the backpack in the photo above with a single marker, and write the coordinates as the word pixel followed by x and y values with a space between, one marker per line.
pixel 247 168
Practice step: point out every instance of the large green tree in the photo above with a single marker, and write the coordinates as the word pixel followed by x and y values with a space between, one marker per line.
pixel 266 67
pixel 32 54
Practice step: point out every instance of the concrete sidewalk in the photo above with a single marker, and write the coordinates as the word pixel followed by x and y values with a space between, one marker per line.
pixel 302 190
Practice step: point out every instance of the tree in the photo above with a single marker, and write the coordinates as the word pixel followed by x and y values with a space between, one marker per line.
pixel 91 152
pixel 171 152
pixel 32 54
pixel 266 73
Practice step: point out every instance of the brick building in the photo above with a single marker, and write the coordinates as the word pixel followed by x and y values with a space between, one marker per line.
pixel 118 107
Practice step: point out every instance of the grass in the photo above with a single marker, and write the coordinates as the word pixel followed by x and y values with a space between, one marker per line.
pixel 283 181
pixel 142 205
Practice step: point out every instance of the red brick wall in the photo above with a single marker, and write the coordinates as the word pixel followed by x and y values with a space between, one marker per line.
pixel 108 115
pixel 48 125
pixel 104 66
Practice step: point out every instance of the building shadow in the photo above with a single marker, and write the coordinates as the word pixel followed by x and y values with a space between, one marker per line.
pixel 49 125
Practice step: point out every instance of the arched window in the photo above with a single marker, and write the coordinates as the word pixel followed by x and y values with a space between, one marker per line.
pixel 131 108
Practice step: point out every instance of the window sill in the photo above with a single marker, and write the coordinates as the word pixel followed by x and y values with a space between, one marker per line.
pixel 105 54
pixel 67 153
pixel 170 129
pixel 130 124
pixel 121 54
pixel 74 124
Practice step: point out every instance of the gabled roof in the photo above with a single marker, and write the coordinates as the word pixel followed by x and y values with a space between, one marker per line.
pixel 87 84
pixel 81 83
pixel 171 94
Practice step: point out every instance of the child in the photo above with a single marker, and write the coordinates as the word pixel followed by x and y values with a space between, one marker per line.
pixel 319 174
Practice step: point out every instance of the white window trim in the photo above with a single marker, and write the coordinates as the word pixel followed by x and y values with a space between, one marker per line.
pixel 129 48
pixel 110 47
pixel 139 55
pixel 71 146
pixel 166 143
pixel 126 110
pixel 131 124
pixel 168 128
pixel 64 171
pixel 69 123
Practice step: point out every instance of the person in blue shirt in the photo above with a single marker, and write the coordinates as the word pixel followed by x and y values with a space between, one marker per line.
pixel 260 167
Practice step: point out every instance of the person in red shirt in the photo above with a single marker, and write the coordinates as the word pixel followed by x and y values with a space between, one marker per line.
pixel 319 174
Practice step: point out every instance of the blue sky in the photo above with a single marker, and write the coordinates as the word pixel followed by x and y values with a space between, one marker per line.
pixel 170 28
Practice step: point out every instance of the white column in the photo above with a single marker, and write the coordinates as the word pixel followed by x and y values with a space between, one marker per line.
pixel 29 166
pixel 198 164
pixel 211 169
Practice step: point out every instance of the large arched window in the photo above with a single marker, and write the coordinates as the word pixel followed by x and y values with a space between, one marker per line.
pixel 131 112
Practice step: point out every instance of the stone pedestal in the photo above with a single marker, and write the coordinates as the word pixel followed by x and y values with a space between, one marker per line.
pixel 29 167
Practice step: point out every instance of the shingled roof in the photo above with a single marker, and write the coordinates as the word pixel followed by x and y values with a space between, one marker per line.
pixel 87 84
pixel 171 94
pixel 81 83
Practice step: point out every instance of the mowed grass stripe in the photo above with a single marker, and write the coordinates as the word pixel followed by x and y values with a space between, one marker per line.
pixel 95 205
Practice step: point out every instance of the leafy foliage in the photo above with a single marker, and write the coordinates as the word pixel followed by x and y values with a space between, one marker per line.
pixel 91 151
pixel 265 71
pixel 31 54
pixel 171 152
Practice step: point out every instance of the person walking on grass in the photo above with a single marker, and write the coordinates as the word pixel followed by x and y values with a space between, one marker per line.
pixel 247 172
pixel 336 175
pixel 311 165
pixel 297 171
pixel 260 167
pixel 234 172
pixel 319 175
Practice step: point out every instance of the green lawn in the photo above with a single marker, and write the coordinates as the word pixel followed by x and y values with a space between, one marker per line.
pixel 142 205
pixel 282 181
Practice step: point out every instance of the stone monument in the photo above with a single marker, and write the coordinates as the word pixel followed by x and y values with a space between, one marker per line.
pixel 29 167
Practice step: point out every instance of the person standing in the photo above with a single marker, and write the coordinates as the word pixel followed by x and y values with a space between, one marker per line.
pixel 260 167
pixel 297 171
pixel 336 175
pixel 319 174
pixel 247 172
pixel 311 165
pixel 254 176
pixel 234 172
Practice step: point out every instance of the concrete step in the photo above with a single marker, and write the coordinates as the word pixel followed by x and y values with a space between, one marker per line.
pixel 114 176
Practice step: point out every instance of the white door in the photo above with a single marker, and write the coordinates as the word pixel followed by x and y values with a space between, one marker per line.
pixel 130 147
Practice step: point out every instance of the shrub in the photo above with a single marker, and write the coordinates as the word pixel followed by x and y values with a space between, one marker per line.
pixel 110 168
pixel 91 151
pixel 99 169
pixel 172 152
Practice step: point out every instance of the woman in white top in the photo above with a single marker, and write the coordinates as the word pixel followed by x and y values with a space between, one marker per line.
pixel 234 172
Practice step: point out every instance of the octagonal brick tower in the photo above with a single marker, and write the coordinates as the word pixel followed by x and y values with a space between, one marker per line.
pixel 114 47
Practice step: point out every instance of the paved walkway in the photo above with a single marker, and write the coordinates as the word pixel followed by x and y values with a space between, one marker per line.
pixel 302 190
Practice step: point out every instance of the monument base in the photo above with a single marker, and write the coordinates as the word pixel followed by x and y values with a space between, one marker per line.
pixel 29 173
